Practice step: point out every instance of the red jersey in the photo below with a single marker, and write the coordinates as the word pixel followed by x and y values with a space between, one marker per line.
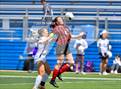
pixel 63 34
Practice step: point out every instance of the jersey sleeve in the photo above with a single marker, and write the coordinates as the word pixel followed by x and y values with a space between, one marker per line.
pixel 98 43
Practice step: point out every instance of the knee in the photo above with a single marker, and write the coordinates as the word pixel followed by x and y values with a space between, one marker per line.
pixel 41 70
pixel 57 66
pixel 59 63
pixel 104 62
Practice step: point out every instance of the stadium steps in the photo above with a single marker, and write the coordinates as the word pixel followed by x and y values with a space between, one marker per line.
pixel 10 50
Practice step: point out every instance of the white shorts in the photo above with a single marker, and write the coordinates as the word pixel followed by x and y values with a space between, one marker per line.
pixel 40 57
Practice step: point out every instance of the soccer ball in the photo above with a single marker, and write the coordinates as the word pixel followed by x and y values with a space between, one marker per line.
pixel 81 49
pixel 109 53
pixel 69 15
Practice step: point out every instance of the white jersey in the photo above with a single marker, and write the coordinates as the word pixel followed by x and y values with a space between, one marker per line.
pixel 42 50
pixel 103 44
pixel 82 45
pixel 117 61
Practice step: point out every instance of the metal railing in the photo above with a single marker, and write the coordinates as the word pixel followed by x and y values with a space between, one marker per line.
pixel 27 10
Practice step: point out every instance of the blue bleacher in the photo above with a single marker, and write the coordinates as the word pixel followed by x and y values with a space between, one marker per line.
pixel 11 49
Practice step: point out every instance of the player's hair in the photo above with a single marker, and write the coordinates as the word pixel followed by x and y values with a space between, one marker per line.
pixel 54 22
pixel 40 31
pixel 43 1
pixel 100 36
pixel 118 56
pixel 84 35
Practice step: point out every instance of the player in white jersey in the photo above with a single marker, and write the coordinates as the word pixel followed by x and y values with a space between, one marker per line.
pixel 40 60
pixel 104 50
pixel 80 45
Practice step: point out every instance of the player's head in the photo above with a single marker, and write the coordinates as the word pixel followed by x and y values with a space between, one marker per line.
pixel 83 35
pixel 118 56
pixel 43 32
pixel 104 34
pixel 57 21
pixel 43 1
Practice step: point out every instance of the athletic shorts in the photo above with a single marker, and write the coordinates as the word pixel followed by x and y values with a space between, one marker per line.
pixel 79 57
pixel 62 49
pixel 40 57
pixel 103 57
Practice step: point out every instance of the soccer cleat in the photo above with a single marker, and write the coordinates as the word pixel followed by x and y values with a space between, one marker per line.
pixel 59 77
pixel 52 82
pixel 105 73
pixel 115 72
pixel 77 72
pixel 112 71
pixel 83 73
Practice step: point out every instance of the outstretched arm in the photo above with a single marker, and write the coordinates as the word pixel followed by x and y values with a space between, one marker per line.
pixel 50 37
pixel 76 36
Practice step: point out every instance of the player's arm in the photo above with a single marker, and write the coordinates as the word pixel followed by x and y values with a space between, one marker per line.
pixel 85 44
pixel 75 36
pixel 50 37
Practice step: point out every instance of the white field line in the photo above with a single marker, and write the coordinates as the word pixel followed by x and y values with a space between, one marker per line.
pixel 14 84
pixel 17 84
pixel 74 78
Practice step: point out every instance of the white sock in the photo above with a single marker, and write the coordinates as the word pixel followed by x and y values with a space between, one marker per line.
pixel 45 77
pixel 37 81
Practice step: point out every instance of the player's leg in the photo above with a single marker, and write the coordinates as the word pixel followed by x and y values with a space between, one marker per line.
pixel 102 63
pixel 77 63
pixel 101 68
pixel 41 72
pixel 69 65
pixel 82 64
pixel 113 68
pixel 117 67
pixel 45 76
pixel 60 59
pixel 104 66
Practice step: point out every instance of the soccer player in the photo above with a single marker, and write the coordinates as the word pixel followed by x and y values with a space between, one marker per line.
pixel 80 45
pixel 62 49
pixel 104 50
pixel 40 60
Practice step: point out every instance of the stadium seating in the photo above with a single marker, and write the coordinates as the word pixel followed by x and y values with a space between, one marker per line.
pixel 12 45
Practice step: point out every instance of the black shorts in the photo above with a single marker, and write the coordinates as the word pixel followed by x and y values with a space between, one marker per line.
pixel 62 49
pixel 103 57
pixel 79 57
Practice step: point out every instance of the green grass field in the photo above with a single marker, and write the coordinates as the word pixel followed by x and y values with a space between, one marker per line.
pixel 24 80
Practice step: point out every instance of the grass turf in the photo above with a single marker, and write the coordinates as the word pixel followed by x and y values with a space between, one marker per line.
pixel 27 81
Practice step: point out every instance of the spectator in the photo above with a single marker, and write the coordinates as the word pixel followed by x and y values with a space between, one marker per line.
pixel 104 51
pixel 80 45
pixel 48 12
pixel 116 64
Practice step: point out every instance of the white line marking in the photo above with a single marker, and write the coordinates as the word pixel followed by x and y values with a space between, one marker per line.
pixel 75 78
